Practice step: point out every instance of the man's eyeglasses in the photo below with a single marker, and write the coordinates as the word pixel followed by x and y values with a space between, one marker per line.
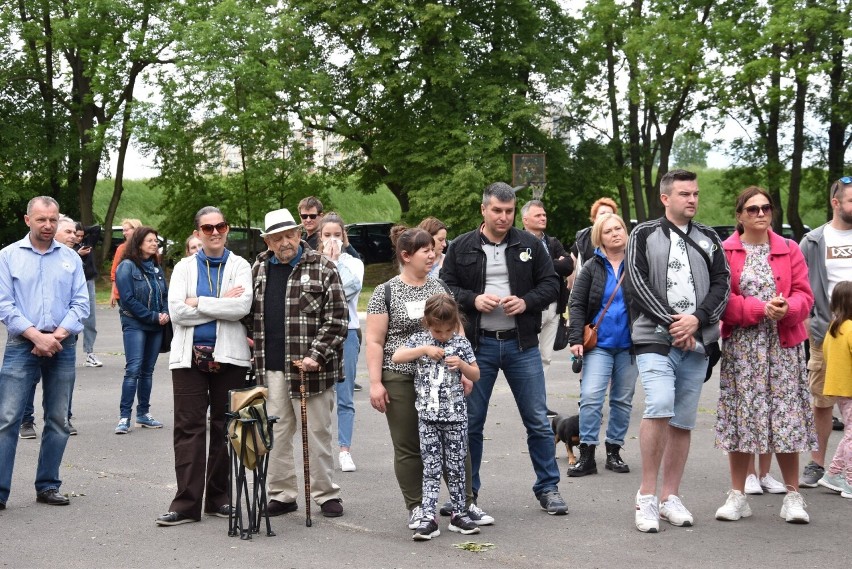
pixel 309 215
pixel 207 229
pixel 753 210
pixel 844 181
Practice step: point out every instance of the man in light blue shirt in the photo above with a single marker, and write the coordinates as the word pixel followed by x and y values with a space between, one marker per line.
pixel 43 300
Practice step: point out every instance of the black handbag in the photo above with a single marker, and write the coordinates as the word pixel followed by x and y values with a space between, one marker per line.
pixel 168 334
pixel 561 340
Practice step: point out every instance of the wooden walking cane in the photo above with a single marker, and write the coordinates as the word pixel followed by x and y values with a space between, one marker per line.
pixel 303 401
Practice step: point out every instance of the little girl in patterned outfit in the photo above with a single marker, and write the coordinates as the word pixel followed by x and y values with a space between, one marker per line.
pixel 837 349
pixel 442 356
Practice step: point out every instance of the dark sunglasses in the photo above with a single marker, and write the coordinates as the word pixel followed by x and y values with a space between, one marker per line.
pixel 753 210
pixel 207 229
pixel 309 215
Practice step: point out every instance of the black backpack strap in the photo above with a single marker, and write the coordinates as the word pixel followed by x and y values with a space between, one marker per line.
pixel 387 298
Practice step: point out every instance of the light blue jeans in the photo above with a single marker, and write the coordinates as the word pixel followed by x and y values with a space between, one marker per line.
pixel 346 389
pixel 672 386
pixel 525 376
pixel 607 368
pixel 90 330
pixel 21 369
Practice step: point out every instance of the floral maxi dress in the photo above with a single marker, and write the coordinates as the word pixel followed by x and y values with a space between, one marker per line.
pixel 764 401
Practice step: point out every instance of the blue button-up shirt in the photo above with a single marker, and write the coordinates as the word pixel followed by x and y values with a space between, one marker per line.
pixel 45 290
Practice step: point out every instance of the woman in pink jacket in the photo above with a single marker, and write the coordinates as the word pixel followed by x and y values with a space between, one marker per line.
pixel 764 405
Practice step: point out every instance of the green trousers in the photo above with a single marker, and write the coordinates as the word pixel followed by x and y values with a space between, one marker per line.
pixel 402 422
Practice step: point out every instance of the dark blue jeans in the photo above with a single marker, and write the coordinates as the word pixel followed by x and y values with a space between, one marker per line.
pixel 524 373
pixel 141 349
pixel 21 370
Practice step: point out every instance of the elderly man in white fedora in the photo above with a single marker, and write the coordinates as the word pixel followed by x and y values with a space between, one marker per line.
pixel 299 313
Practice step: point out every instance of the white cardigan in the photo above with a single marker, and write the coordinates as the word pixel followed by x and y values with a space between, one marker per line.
pixel 231 342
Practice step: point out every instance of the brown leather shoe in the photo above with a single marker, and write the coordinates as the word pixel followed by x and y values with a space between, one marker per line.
pixel 332 508
pixel 52 497
pixel 276 508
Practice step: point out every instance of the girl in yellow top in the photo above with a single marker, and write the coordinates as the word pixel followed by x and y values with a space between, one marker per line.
pixel 837 349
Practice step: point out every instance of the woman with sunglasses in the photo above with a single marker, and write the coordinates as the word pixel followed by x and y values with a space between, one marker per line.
pixel 210 292
pixel 764 402
pixel 143 312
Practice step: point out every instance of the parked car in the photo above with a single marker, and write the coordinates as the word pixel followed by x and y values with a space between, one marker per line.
pixel 246 242
pixel 372 241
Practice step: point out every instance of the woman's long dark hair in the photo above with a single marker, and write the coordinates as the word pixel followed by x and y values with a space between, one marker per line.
pixel 841 306
pixel 133 250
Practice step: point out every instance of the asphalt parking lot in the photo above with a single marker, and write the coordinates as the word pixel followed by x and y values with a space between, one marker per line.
pixel 120 484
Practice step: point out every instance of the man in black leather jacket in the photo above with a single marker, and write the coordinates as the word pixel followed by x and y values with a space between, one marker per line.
pixel 502 279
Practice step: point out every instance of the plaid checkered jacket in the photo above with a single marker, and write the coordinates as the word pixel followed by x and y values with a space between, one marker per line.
pixel 316 317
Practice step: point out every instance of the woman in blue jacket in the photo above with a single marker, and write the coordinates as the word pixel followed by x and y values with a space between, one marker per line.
pixel 144 311
pixel 610 364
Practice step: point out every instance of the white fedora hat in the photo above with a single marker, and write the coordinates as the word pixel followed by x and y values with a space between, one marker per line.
pixel 277 221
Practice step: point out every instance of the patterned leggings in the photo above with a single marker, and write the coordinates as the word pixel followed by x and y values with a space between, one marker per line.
pixel 842 461
pixel 443 447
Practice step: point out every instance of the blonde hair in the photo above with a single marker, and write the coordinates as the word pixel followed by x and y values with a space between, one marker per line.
pixel 132 222
pixel 597 228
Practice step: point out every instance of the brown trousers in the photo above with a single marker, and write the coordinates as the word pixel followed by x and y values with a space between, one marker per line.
pixel 193 392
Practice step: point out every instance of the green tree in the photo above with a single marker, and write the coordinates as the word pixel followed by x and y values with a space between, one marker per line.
pixel 646 74
pixel 689 149
pixel 82 59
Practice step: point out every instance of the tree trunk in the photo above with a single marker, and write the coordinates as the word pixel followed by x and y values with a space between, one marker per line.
pixel 774 167
pixel 618 147
pixel 837 112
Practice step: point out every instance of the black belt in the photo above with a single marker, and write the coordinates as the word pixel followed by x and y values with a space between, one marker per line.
pixel 501 334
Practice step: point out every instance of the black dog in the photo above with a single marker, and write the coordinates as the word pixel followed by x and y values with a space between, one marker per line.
pixel 567 430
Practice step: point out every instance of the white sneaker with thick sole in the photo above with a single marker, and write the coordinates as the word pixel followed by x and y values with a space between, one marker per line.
pixel 736 507
pixel 793 509
pixel 346 462
pixel 752 485
pixel 647 513
pixel 674 512
pixel 772 486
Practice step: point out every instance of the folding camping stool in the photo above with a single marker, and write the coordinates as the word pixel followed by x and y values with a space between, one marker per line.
pixel 249 434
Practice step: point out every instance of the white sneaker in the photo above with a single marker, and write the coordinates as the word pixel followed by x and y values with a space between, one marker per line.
pixel 772 486
pixel 346 462
pixel 673 511
pixel 414 517
pixel 736 507
pixel 793 509
pixel 93 361
pixel 647 513
pixel 752 485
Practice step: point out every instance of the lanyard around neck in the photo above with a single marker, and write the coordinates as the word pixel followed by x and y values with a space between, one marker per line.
pixel 218 279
